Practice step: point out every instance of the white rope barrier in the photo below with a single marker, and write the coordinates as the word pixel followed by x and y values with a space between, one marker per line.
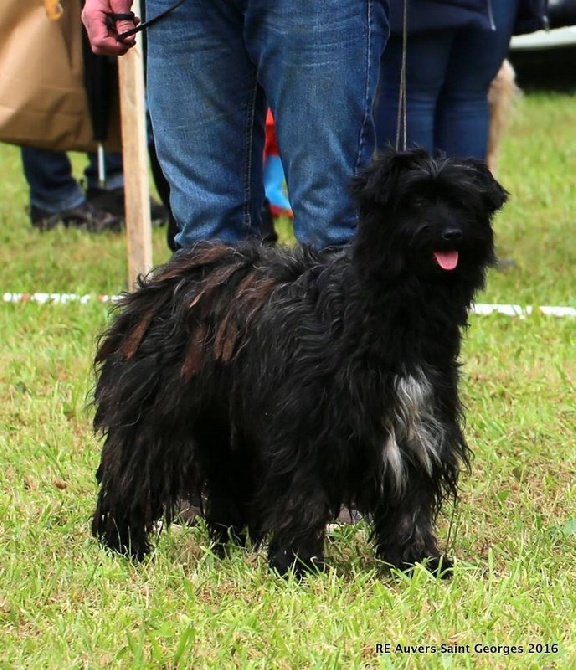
pixel 523 311
pixel 57 298
pixel 520 311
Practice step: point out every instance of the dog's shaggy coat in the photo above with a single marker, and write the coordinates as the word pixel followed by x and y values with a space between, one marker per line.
pixel 278 384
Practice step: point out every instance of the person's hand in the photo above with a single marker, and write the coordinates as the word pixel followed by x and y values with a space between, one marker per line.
pixel 102 32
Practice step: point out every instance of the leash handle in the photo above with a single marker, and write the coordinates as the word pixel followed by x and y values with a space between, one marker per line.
pixel 112 18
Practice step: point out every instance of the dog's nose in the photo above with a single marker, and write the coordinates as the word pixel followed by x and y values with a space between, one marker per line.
pixel 452 234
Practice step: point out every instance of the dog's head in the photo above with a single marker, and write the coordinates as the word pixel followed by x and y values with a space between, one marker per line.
pixel 431 216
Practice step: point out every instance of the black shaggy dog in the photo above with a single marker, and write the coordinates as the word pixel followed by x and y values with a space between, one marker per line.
pixel 278 384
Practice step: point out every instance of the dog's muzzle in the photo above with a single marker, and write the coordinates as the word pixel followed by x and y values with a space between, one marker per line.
pixel 448 259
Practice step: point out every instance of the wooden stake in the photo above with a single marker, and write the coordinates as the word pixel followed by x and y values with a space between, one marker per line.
pixel 135 153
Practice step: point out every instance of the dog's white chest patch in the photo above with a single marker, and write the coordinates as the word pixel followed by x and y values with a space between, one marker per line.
pixel 414 434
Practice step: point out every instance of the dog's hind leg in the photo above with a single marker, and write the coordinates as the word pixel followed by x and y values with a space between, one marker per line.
pixel 297 522
pixel 124 513
pixel 226 515
pixel 140 478
pixel 403 530
pixel 228 483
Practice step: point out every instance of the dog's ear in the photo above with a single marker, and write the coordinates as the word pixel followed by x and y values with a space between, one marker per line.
pixel 375 182
pixel 378 182
pixel 493 194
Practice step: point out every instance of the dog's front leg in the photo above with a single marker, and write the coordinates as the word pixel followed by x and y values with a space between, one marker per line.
pixel 289 551
pixel 403 531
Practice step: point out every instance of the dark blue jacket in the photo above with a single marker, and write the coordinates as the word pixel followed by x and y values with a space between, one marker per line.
pixel 429 15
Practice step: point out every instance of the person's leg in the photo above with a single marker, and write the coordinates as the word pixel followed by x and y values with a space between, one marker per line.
pixel 114 170
pixel 463 113
pixel 49 176
pixel 208 113
pixel 318 62
pixel 163 188
pixel 110 195
pixel 56 197
pixel 426 62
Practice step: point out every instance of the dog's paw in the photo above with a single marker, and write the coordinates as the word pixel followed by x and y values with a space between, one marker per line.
pixel 405 561
pixel 285 564
pixel 440 566
pixel 126 545
pixel 118 535
pixel 223 538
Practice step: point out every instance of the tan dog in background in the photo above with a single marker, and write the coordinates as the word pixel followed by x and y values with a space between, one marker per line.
pixel 501 96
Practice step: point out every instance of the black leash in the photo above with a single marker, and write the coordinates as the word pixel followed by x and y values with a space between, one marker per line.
pixel 401 118
pixel 112 18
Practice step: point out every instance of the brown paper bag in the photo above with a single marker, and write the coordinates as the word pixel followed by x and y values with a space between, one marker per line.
pixel 43 101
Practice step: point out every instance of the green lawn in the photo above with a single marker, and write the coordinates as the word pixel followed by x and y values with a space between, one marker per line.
pixel 66 603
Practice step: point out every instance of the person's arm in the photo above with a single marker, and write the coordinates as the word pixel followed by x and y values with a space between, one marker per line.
pixel 102 31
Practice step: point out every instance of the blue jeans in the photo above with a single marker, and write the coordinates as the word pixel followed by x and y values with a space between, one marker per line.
pixel 214 65
pixel 52 184
pixel 448 73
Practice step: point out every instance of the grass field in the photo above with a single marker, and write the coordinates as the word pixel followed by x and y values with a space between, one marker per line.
pixel 65 603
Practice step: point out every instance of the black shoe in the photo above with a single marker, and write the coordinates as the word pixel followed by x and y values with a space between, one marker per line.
pixel 187 513
pixel 113 201
pixel 85 216
pixel 347 516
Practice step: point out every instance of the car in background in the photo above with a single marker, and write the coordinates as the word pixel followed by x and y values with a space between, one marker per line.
pixel 548 57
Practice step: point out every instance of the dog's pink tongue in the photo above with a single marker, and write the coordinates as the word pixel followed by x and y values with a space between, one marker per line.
pixel 447 260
